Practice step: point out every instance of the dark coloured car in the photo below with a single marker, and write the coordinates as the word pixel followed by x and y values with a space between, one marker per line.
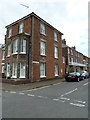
pixel 74 76
pixel 85 74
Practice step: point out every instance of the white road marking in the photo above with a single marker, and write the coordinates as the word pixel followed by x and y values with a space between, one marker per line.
pixel 64 98
pixel 57 83
pixel 30 95
pixel 58 100
pixel 78 105
pixel 12 92
pixel 69 92
pixel 83 102
pixel 42 97
pixel 22 93
pixel 85 84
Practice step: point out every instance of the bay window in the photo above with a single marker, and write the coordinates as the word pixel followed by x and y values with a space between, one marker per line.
pixel 22 70
pixel 14 70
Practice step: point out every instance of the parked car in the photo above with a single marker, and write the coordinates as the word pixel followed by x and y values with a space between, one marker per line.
pixel 85 74
pixel 74 76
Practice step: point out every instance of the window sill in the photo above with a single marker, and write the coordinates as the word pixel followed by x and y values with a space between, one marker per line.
pixel 22 77
pixel 56 58
pixel 42 76
pixel 13 77
pixel 9 37
pixel 14 53
pixel 22 53
pixel 43 55
pixel 43 34
pixel 56 75
pixel 8 56
pixel 56 40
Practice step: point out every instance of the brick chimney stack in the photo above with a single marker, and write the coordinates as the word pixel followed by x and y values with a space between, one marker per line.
pixel 74 47
pixel 64 41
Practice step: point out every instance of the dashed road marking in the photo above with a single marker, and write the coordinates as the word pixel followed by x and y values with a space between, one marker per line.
pixel 63 98
pixel 22 93
pixel 85 84
pixel 79 101
pixel 58 100
pixel 30 95
pixel 12 92
pixel 78 105
pixel 42 97
pixel 69 92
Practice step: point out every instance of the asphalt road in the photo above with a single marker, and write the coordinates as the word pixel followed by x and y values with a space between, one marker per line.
pixel 62 100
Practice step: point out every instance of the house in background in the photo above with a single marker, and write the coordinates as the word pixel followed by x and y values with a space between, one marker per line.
pixel 2 60
pixel 73 59
pixel 33 50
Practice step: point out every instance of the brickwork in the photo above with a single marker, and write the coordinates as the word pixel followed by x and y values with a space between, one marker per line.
pixel 33 49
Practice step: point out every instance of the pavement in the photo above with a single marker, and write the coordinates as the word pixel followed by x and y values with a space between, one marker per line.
pixel 21 87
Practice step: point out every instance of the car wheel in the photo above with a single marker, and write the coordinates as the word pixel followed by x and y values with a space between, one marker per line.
pixel 78 79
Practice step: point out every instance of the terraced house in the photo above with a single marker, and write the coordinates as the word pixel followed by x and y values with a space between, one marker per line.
pixel 33 50
pixel 75 61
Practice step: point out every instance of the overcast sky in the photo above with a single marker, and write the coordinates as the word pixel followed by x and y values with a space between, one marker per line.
pixel 68 16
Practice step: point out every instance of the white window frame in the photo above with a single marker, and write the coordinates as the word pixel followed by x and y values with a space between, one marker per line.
pixel 68 51
pixel 8 70
pixel 14 70
pixel 42 29
pixel 72 60
pixel 22 75
pixel 56 52
pixel 42 70
pixel 15 46
pixel 55 36
pixel 22 46
pixel 68 59
pixel 56 70
pixel 21 27
pixel 9 50
pixel 9 32
pixel 43 48
pixel 71 52
pixel 3 67
pixel 63 59
pixel 3 55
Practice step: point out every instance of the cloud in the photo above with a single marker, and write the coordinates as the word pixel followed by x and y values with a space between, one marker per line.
pixel 68 16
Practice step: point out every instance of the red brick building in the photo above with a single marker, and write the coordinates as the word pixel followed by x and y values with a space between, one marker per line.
pixel 73 59
pixel 33 50
pixel 0 60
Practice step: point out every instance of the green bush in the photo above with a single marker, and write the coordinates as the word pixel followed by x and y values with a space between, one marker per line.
pixel 72 70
